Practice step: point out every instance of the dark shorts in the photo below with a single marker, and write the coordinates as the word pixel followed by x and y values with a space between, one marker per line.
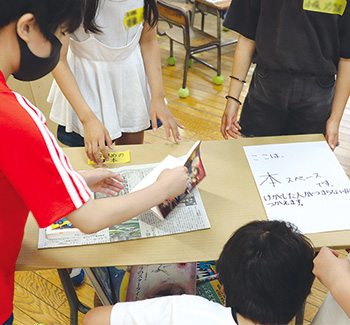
pixel 283 103
pixel 73 139
pixel 9 321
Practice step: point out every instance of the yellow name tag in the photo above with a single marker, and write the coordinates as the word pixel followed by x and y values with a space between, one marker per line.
pixel 115 158
pixel 133 18
pixel 336 7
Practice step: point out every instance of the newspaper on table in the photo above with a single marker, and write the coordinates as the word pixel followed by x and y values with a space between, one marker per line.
pixel 188 216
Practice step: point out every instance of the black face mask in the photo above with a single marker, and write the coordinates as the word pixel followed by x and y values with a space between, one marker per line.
pixel 33 67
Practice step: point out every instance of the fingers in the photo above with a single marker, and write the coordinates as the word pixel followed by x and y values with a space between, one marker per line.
pixel 179 124
pixel 108 191
pixel 90 152
pixel 237 126
pixel 96 158
pixel 175 130
pixel 154 122
pixel 171 127
pixel 232 129
pixel 94 147
pixel 167 132
pixel 111 175
pixel 332 141
pixel 111 183
pixel 332 133
pixel 108 140
pixel 170 123
pixel 118 178
pixel 327 250
pixel 114 185
pixel 229 124
pixel 103 150
pixel 223 127
pixel 334 252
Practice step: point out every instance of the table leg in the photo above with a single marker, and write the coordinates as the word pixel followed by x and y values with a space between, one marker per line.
pixel 74 303
pixel 218 21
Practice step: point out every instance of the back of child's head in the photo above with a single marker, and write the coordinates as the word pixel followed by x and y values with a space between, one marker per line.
pixel 49 14
pixel 266 271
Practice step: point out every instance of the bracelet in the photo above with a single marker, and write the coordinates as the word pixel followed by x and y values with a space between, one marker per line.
pixel 228 96
pixel 241 80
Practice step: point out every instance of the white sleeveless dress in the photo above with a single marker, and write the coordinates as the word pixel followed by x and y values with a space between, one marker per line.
pixel 109 70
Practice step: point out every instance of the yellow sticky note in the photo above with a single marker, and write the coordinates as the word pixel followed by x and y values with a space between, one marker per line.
pixel 133 18
pixel 335 7
pixel 115 158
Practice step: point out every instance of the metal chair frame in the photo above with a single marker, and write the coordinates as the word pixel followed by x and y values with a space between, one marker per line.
pixel 176 16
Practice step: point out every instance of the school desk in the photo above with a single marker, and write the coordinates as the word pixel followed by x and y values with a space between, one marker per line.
pixel 214 8
pixel 229 194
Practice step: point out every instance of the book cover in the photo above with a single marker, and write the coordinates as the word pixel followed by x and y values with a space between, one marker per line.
pixel 196 171
pixel 206 269
pixel 192 160
pixel 207 282
pixel 211 290
pixel 150 281
pixel 100 280
pixel 110 283
pixel 61 228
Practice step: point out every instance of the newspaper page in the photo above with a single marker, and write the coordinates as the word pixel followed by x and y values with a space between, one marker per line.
pixel 190 215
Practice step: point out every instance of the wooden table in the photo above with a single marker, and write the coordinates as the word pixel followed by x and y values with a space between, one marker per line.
pixel 230 197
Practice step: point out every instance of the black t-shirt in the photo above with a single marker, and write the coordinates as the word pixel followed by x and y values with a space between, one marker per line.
pixel 289 38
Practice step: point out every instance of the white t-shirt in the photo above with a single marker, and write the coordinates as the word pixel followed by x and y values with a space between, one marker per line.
pixel 175 310
pixel 330 313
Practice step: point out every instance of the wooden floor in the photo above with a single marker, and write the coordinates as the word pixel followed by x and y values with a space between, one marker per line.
pixel 39 297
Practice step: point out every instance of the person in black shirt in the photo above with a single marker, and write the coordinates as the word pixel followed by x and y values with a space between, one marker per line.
pixel 299 46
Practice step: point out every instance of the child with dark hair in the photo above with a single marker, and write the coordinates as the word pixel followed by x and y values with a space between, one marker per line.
pixel 108 84
pixel 266 272
pixel 46 184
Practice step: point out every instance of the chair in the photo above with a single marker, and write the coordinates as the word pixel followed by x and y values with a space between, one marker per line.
pixel 193 39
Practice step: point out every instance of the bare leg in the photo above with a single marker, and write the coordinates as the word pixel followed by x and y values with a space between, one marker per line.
pixel 130 138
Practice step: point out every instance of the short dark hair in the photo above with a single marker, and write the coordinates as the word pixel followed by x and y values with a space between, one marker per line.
pixel 266 271
pixel 49 14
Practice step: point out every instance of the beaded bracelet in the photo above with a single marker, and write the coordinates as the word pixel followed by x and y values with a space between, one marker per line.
pixel 228 96
pixel 241 80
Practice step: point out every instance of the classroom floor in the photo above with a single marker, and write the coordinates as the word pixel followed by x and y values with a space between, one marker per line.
pixel 39 296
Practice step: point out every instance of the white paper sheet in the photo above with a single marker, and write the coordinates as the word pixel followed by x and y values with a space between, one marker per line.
pixel 302 183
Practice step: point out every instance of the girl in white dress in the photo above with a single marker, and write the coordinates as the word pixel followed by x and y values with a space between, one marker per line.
pixel 108 84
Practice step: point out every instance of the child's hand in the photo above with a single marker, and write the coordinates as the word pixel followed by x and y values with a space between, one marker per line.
pixel 329 268
pixel 334 273
pixel 174 181
pixel 96 137
pixel 103 180
pixel 229 124
pixel 332 133
pixel 159 110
